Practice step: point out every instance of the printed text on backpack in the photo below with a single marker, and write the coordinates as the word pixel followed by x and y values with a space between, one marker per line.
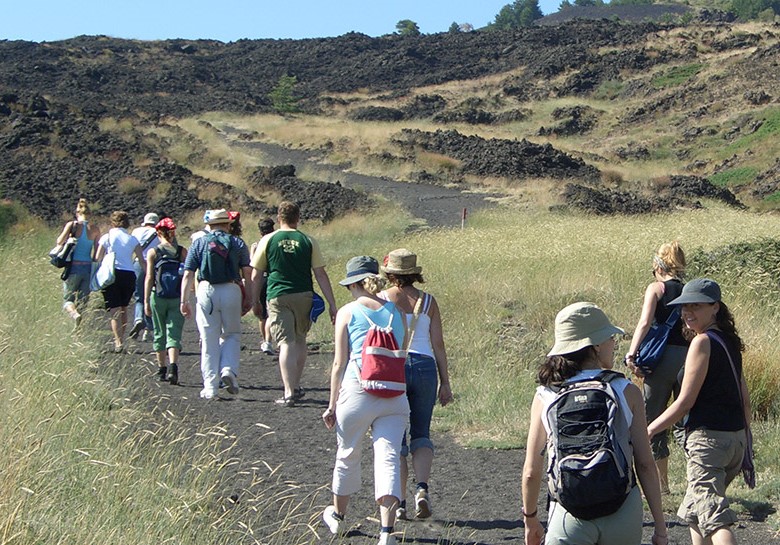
pixel 590 472
pixel 382 370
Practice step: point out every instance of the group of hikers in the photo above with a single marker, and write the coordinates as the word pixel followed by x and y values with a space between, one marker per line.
pixel 603 434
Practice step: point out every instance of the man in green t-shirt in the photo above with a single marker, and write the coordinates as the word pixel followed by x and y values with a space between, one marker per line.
pixel 289 257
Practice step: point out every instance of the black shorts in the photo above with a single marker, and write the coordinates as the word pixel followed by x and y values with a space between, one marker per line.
pixel 263 302
pixel 121 291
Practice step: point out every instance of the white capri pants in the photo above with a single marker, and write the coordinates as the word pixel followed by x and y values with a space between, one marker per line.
pixel 356 412
pixel 219 323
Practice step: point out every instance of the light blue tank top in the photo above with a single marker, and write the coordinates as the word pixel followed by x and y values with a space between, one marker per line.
pixel 358 329
pixel 83 249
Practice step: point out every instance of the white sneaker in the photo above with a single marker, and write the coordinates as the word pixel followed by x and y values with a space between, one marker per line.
pixel 146 337
pixel 334 523
pixel 230 382
pixel 208 393
pixel 400 513
pixel 266 348
pixel 387 539
pixel 423 504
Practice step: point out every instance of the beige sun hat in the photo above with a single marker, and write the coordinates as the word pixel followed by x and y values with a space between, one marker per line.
pixel 214 217
pixel 401 261
pixel 580 325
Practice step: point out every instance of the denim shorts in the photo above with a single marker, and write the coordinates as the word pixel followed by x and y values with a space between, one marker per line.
pixel 422 385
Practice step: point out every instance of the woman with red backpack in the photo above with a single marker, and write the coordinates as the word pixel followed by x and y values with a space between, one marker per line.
pixel 355 406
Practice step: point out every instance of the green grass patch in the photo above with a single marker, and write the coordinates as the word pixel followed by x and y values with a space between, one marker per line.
pixel 677 75
pixel 768 131
pixel 734 177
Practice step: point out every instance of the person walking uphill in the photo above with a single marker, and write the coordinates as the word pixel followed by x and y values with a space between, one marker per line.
pixel 662 384
pixel 117 295
pixel 289 257
pixel 75 287
pixel 425 363
pixel 220 260
pixel 353 410
pixel 578 392
pixel 715 397
pixel 147 237
pixel 162 293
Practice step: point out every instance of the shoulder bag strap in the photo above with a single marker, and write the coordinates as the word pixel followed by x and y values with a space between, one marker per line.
pixel 148 241
pixel 712 335
pixel 415 315
pixel 673 317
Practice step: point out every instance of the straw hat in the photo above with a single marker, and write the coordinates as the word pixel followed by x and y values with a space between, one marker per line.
pixel 401 261
pixel 214 217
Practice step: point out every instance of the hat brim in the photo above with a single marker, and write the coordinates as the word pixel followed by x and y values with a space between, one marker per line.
pixel 410 270
pixel 597 337
pixel 691 298
pixel 356 278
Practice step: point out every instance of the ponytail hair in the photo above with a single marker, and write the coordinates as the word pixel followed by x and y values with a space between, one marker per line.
pixel 670 258
pixel 373 284
pixel 82 208
pixel 559 368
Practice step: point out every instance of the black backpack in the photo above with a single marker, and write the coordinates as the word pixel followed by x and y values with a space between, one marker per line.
pixel 168 272
pixel 590 471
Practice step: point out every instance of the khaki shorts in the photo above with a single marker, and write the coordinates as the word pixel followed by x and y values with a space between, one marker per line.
pixel 288 316
pixel 714 459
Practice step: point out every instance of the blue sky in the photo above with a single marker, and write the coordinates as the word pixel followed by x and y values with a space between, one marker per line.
pixel 230 20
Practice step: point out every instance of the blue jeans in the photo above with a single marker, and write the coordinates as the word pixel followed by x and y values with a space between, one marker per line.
pixel 140 279
pixel 422 385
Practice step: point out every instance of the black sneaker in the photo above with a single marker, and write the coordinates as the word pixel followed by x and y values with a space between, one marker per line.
pixel 298 394
pixel 173 374
pixel 135 330
pixel 162 373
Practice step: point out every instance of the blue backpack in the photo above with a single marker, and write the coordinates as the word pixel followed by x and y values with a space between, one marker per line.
pixel 168 270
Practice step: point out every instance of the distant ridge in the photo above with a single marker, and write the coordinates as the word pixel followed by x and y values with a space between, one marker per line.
pixel 634 14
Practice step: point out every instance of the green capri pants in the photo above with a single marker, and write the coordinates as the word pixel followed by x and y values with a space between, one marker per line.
pixel 168 322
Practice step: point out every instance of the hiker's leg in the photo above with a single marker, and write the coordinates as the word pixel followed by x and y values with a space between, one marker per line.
pixel 229 302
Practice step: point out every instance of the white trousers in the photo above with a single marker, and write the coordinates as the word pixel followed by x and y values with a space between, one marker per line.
pixel 356 412
pixel 219 323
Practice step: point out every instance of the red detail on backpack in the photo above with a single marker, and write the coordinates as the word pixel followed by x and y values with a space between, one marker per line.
pixel 382 370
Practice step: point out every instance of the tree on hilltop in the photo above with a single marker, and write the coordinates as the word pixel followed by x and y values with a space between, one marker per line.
pixel 407 27
pixel 521 13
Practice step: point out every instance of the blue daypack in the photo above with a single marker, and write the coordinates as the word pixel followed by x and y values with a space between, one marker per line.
pixel 168 272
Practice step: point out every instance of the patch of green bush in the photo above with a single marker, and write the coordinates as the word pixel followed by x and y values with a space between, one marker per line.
pixel 753 264
pixel 8 216
pixel 734 177
pixel 677 75
pixel 770 128
pixel 608 90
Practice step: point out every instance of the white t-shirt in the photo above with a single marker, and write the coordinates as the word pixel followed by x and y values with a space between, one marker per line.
pixel 144 234
pixel 123 244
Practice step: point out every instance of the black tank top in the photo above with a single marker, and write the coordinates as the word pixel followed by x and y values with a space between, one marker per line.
pixel 672 290
pixel 718 405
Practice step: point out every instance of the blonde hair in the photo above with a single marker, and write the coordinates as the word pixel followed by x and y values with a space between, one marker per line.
pixel 82 208
pixel 373 284
pixel 670 259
